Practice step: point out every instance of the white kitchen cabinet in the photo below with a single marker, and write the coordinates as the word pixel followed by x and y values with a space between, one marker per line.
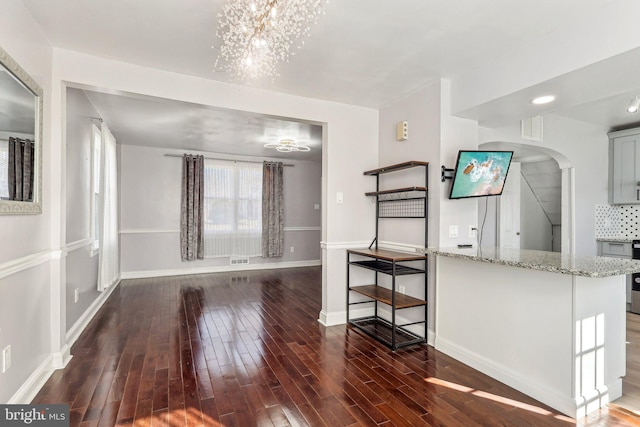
pixel 618 249
pixel 624 167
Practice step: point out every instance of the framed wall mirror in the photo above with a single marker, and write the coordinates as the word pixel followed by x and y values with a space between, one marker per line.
pixel 20 140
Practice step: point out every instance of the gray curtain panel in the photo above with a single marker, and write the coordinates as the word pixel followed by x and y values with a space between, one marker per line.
pixel 272 210
pixel 21 164
pixel 191 214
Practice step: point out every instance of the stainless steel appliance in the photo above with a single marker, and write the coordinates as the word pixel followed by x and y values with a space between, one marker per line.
pixel 635 280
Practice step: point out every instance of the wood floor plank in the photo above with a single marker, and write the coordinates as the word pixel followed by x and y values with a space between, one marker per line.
pixel 246 349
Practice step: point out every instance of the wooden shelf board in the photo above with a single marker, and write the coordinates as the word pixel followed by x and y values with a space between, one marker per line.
pixel 396 167
pixel 388 255
pixel 384 295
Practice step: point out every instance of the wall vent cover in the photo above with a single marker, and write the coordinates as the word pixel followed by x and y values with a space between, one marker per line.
pixel 239 260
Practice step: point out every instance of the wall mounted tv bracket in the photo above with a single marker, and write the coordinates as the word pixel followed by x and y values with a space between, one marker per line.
pixel 446 173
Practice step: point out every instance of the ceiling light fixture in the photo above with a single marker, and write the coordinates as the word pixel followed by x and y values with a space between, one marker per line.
pixel 287 146
pixel 634 104
pixel 257 35
pixel 543 99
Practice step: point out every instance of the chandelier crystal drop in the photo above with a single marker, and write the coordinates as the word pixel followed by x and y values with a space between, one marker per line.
pixel 287 146
pixel 257 35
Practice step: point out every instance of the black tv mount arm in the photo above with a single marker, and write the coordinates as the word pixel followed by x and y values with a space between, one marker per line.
pixel 446 173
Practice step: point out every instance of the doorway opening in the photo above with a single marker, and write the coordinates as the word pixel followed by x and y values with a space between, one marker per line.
pixel 536 209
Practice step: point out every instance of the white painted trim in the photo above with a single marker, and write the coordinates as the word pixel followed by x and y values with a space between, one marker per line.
pixel 74 332
pixel 162 230
pixel 217 269
pixel 147 231
pixel 333 318
pixel 344 245
pixel 30 388
pixel 302 228
pixel 62 358
pixel 527 385
pixel 78 244
pixel 20 264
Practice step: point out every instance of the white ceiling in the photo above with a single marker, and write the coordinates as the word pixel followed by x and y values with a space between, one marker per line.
pixel 157 122
pixel 362 52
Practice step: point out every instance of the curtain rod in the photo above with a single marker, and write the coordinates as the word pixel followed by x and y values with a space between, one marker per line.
pixel 226 160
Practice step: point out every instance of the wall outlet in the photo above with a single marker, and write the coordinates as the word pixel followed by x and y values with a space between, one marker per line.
pixel 453 231
pixel 76 295
pixel 316 206
pixel 401 289
pixel 339 197
pixel 6 359
pixel 292 249
pixel 473 231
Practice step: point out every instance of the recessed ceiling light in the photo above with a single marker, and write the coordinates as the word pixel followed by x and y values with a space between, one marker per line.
pixel 543 99
pixel 634 104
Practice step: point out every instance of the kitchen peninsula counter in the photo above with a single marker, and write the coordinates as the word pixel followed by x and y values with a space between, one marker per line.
pixel 549 325
pixel 553 262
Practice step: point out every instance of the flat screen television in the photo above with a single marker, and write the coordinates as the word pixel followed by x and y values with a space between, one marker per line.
pixel 480 173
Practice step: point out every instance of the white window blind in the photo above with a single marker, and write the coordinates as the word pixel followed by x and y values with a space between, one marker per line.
pixel 232 209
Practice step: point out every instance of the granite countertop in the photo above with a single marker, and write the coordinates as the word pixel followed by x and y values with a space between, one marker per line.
pixel 554 262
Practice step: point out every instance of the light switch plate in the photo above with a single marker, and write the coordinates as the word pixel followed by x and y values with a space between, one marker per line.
pixel 453 231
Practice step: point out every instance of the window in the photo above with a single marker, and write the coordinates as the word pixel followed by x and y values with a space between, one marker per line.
pixel 96 147
pixel 232 209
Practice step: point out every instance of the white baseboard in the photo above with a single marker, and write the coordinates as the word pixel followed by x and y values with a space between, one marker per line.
pixel 30 388
pixel 217 269
pixel 62 358
pixel 526 385
pixel 74 332
pixel 332 318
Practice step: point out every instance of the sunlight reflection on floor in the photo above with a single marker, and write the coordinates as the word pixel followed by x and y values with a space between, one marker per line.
pixel 496 398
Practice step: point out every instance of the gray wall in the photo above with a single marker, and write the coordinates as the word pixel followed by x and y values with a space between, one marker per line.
pixel 81 266
pixel 150 214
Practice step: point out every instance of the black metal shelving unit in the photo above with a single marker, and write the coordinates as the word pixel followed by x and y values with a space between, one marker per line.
pixel 408 202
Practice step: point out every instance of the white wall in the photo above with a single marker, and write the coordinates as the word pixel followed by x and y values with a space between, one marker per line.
pixel 434 136
pixel 150 214
pixel 535 227
pixel 587 148
pixel 27 284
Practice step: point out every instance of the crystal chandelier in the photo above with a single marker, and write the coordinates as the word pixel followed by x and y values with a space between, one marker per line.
pixel 287 146
pixel 257 35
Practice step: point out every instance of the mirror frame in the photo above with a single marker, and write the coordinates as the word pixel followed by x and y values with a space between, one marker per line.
pixel 12 207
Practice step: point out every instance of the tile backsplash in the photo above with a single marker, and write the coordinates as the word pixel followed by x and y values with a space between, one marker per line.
pixel 622 222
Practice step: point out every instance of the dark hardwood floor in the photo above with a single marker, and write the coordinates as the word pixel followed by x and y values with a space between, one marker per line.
pixel 630 399
pixel 245 349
